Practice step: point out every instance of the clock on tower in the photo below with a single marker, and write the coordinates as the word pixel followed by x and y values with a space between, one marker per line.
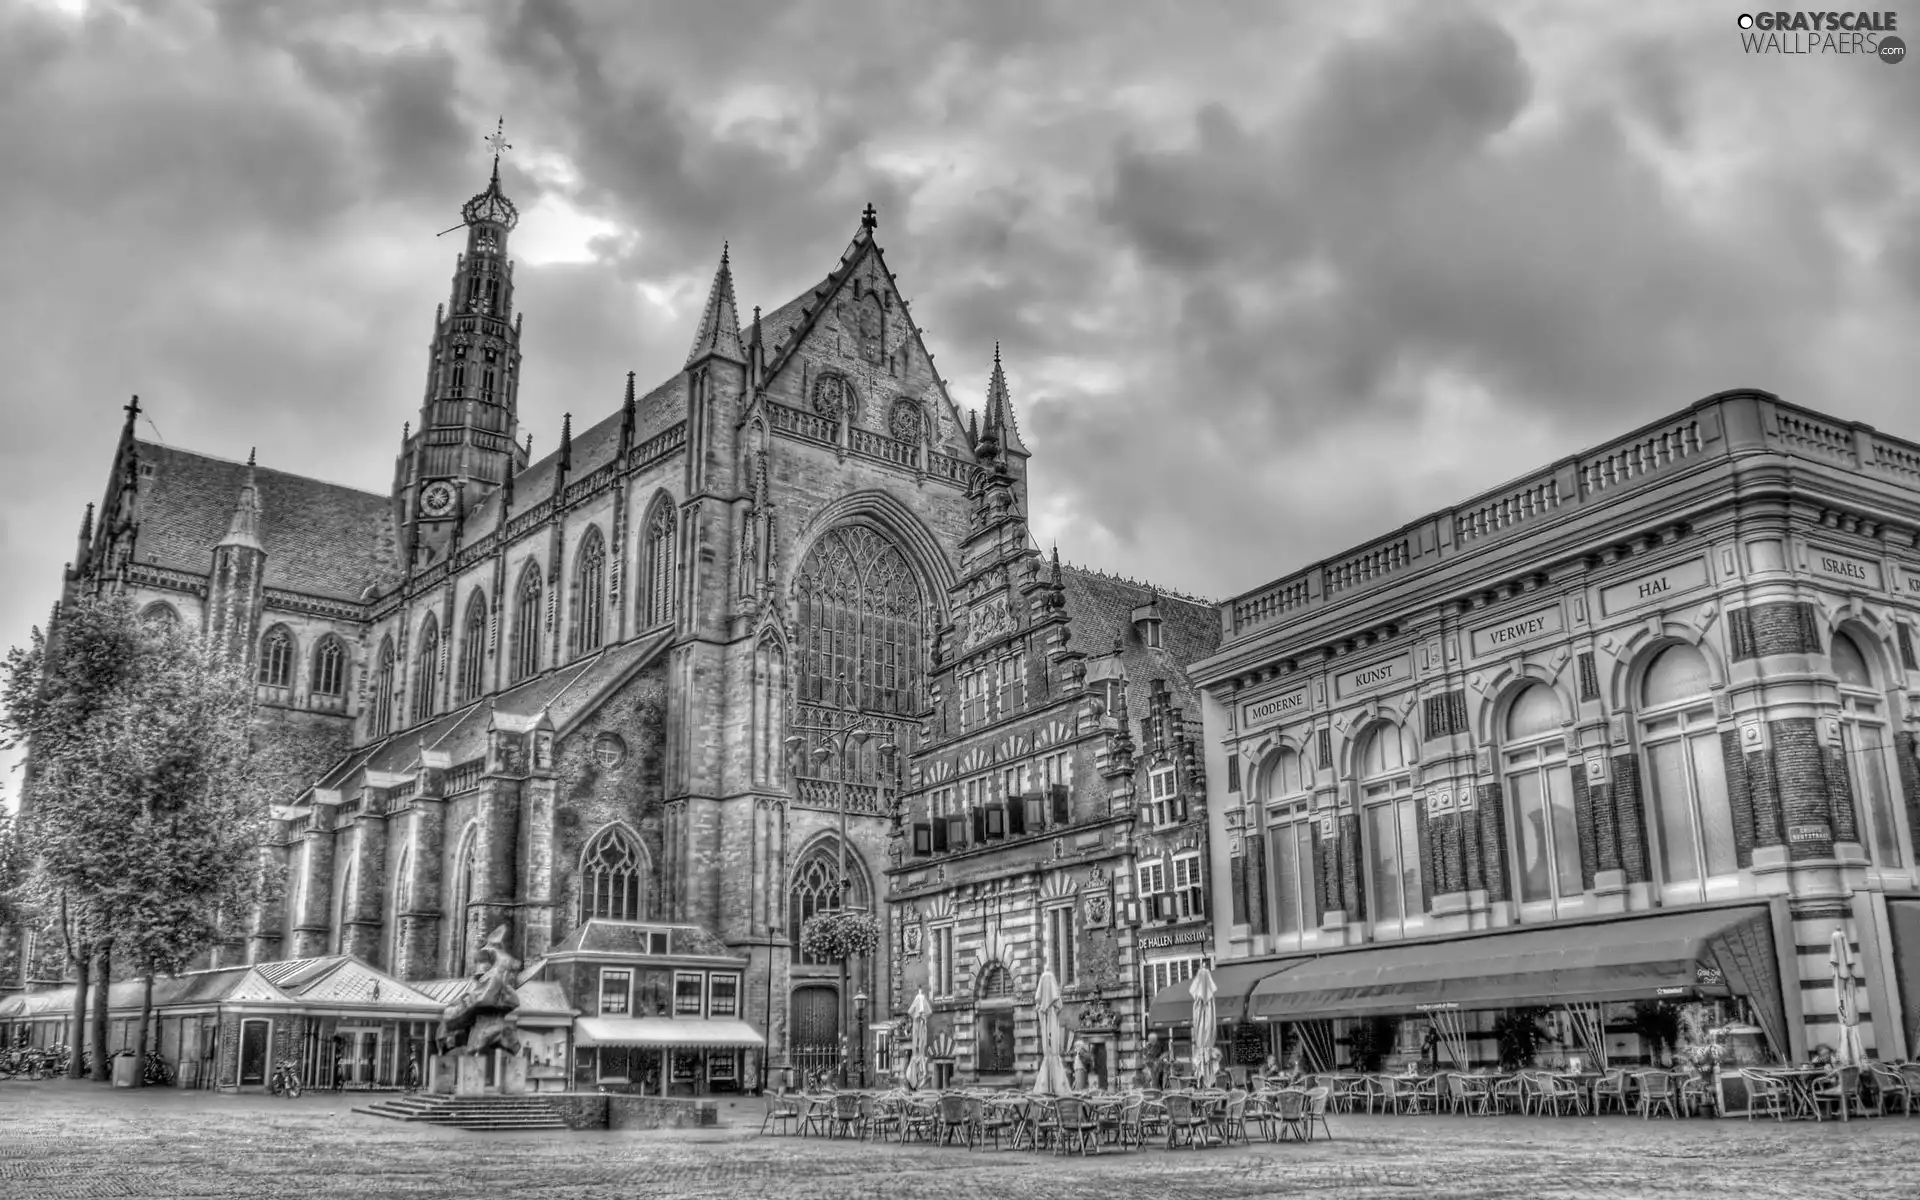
pixel 437 499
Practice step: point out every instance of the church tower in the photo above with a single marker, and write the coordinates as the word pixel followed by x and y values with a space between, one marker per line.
pixel 465 443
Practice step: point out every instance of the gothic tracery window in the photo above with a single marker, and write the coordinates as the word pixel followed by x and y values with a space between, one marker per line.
pixel 832 395
pixel 862 615
pixel 329 667
pixel 426 671
pixel 383 689
pixel 656 564
pixel 590 594
pixel 612 875
pixel 473 647
pixel 816 888
pixel 526 624
pixel 276 658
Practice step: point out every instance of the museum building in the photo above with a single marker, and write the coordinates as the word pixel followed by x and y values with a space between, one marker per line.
pixel 1623 741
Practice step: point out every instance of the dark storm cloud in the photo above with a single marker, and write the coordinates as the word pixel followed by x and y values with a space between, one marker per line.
pixel 1268 281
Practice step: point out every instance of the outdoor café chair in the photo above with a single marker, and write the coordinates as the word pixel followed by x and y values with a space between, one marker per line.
pixel 1231 1119
pixel 1317 1112
pixel 845 1115
pixel 1472 1094
pixel 1290 1115
pixel 954 1120
pixel 1043 1123
pixel 1384 1091
pixel 1558 1095
pixel 881 1115
pixel 1077 1126
pixel 1656 1091
pixel 1183 1118
pixel 784 1112
pixel 1119 1121
pixel 1153 1116
pixel 919 1118
pixel 1890 1084
pixel 1610 1088
pixel 1424 1095
pixel 996 1119
pixel 1765 1094
pixel 1260 1111
pixel 1514 1093
pixel 1696 1095
pixel 1840 1090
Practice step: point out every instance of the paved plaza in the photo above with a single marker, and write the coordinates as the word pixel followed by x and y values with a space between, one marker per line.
pixel 61 1139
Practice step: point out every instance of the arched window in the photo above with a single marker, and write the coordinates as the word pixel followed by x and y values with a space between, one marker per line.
pixel 329 667
pixel 656 565
pixel 996 982
pixel 526 624
pixel 276 658
pixel 1391 830
pixel 162 612
pixel 460 922
pixel 473 648
pixel 1863 738
pixel 426 671
pixel 862 615
pixel 1539 787
pixel 383 689
pixel 1286 786
pixel 590 594
pixel 1686 775
pixel 816 888
pixel 612 877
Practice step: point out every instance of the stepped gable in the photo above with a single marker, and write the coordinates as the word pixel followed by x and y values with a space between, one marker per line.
pixel 1102 606
pixel 320 538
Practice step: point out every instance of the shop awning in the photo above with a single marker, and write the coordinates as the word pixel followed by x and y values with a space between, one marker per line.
pixel 1714 953
pixel 665 1032
pixel 1173 1005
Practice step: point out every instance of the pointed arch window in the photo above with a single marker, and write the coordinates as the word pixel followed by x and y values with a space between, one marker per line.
pixel 1864 741
pixel 473 647
pixel 590 594
pixel 613 877
pixel 862 614
pixel 461 923
pixel 526 624
pixel 345 912
pixel 1686 773
pixel 1539 788
pixel 426 672
pixel 816 888
pixel 383 689
pixel 329 667
pixel 399 900
pixel 656 565
pixel 276 658
pixel 1390 826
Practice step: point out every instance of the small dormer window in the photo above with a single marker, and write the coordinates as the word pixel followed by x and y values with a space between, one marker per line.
pixel 1150 634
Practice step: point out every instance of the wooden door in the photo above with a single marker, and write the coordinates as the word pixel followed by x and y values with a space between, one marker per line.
pixel 253 1052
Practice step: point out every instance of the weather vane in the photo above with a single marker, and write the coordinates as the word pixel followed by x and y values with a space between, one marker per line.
pixel 498 140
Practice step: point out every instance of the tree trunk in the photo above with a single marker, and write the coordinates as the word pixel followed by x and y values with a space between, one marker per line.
pixel 146 1016
pixel 102 981
pixel 82 967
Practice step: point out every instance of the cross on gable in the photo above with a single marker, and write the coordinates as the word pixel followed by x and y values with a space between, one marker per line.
pixel 869 218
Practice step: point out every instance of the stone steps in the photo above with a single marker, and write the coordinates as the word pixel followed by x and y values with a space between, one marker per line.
pixel 485 1113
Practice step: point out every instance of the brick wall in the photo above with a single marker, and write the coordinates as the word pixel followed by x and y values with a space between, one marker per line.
pixel 1840 807
pixel 1629 817
pixel 1800 769
pixel 1909 771
pixel 1490 842
pixel 1787 627
pixel 1739 796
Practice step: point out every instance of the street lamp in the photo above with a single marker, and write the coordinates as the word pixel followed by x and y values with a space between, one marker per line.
pixel 856 733
pixel 860 1030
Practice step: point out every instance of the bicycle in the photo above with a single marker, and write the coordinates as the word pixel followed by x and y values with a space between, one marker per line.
pixel 286 1080
pixel 155 1071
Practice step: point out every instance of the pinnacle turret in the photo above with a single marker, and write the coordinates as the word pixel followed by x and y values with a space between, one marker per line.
pixel 719 332
pixel 244 527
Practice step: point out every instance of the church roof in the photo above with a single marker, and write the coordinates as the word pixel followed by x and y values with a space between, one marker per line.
pixel 602 936
pixel 1102 609
pixel 320 538
pixel 565 693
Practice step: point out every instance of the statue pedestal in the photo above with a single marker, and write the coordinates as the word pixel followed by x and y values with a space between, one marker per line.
pixel 440 1074
pixel 513 1075
pixel 470 1075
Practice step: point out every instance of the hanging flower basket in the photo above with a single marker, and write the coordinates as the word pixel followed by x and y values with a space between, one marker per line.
pixel 839 934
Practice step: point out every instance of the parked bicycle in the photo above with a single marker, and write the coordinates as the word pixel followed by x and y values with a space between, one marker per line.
pixel 286 1080
pixel 155 1072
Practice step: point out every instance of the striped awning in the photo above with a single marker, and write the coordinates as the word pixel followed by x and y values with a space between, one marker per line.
pixel 665 1032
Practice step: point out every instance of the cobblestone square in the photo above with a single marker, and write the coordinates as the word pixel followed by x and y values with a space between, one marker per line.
pixel 59 1139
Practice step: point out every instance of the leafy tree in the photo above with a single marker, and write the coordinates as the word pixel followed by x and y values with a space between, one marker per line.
pixel 143 798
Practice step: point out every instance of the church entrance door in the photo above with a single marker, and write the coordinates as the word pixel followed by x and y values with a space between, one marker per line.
pixel 815 1027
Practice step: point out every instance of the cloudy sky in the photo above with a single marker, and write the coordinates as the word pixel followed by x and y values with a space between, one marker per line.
pixel 1282 275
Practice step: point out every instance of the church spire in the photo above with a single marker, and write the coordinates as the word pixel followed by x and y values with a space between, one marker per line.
pixel 719 332
pixel 1000 410
pixel 629 417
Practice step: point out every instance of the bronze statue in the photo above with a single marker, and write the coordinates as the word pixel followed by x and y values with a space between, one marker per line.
pixel 481 1018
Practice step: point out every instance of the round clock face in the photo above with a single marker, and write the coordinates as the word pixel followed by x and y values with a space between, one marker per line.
pixel 437 499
